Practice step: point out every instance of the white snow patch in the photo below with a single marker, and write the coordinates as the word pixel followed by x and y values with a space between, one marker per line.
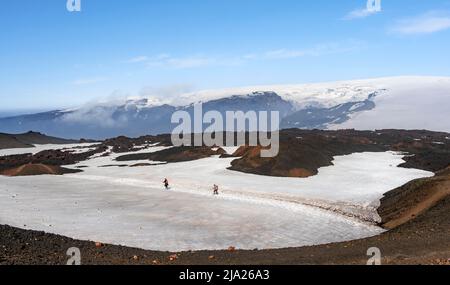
pixel 356 106
pixel 128 206
pixel 41 147
pixel 230 149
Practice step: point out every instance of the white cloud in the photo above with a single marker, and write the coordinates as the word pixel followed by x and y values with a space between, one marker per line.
pixel 284 54
pixel 184 62
pixel 197 61
pixel 165 94
pixel 250 56
pixel 373 7
pixel 318 50
pixel 137 59
pixel 87 81
pixel 360 13
pixel 428 23
pixel 98 112
pixel 103 112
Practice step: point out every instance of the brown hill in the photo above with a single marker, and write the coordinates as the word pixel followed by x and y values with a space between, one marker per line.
pixel 37 169
pixel 9 141
pixel 413 199
pixel 28 140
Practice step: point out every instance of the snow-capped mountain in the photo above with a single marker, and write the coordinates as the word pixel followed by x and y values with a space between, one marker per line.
pixel 396 102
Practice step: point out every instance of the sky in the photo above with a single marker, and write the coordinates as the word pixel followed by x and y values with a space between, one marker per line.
pixel 51 58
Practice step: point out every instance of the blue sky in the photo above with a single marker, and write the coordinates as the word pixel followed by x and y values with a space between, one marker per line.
pixel 53 58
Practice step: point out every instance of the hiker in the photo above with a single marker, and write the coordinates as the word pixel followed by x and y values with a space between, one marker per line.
pixel 166 183
pixel 215 189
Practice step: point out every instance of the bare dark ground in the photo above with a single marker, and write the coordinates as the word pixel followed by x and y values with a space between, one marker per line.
pixel 425 240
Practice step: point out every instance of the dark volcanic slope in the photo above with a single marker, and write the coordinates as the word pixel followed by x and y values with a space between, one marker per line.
pixel 47 157
pixel 175 154
pixel 51 158
pixel 413 199
pixel 9 141
pixel 302 153
pixel 28 140
pixel 126 144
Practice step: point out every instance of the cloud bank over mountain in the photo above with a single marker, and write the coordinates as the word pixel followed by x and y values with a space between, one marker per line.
pixel 397 102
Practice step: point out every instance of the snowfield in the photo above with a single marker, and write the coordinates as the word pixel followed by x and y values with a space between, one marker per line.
pixel 128 205
pixel 76 148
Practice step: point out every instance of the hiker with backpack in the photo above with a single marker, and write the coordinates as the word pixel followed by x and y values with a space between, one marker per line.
pixel 166 183
pixel 215 190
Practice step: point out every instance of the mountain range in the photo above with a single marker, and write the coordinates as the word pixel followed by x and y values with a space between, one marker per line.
pixel 395 102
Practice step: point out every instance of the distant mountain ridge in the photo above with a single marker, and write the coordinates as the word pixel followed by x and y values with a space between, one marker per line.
pixel 397 102
pixel 29 139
